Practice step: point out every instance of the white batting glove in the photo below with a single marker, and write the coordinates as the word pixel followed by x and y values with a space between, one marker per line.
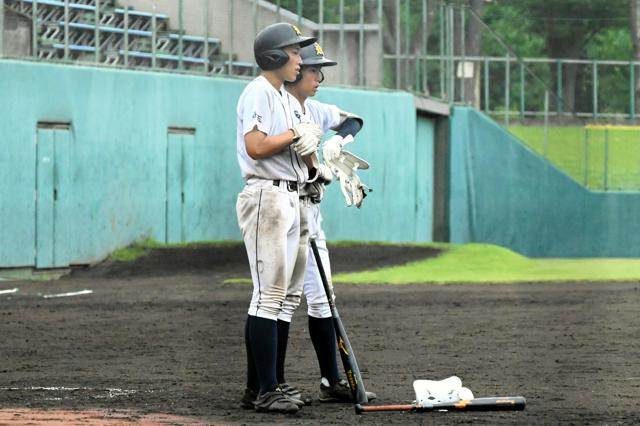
pixel 351 186
pixel 306 144
pixel 310 129
pixel 332 148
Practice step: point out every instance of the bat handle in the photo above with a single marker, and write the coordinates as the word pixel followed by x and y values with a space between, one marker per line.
pixel 371 408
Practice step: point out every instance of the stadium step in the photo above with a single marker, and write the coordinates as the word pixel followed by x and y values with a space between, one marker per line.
pixel 124 37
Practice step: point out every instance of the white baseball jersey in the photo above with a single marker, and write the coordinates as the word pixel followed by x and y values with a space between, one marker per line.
pixel 325 115
pixel 263 106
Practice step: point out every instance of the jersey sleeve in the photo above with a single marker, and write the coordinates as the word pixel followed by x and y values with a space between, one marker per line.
pixel 256 111
pixel 325 115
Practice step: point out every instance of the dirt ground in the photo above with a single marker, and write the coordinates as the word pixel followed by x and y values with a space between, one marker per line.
pixel 160 341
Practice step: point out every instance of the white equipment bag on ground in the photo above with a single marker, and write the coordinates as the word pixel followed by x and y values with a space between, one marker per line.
pixel 429 392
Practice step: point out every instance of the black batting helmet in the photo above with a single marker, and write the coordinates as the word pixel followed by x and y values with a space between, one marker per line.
pixel 314 55
pixel 269 43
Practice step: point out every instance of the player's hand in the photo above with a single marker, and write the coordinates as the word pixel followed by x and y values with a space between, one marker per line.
pixel 306 144
pixel 332 148
pixel 309 129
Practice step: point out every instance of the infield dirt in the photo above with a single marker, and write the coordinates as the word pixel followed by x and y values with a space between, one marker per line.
pixel 160 341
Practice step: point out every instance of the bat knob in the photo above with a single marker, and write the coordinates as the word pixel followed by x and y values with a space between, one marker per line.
pixel 359 409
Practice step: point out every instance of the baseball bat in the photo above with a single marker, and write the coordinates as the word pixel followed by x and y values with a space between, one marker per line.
pixel 347 355
pixel 495 403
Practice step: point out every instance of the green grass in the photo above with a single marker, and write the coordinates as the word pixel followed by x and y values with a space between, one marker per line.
pixel 483 263
pixel 141 248
pixel 566 149
pixel 486 263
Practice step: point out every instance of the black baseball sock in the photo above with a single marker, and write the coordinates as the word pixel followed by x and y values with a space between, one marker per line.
pixel 263 336
pixel 283 340
pixel 323 337
pixel 252 376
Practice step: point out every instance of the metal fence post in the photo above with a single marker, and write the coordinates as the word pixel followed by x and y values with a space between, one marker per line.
pixel 407 45
pixel 126 34
pixel 341 42
pixel 463 54
pixel 546 123
pixel 595 89
pixel 321 19
pixel 1 28
pixel 442 35
pixel 180 32
pixel 206 34
pixel 381 41
pixel 586 157
pixel 424 50
pixel 96 31
pixel 507 84
pixel 230 52
pixel 487 104
pixel 560 89
pixel 34 29
pixel 522 91
pixel 452 27
pixel 397 44
pixel 299 12
pixel 66 30
pixel 154 34
pixel 606 158
pixel 361 77
pixel 632 90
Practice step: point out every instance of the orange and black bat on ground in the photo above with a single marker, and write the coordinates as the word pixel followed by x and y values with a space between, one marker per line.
pixel 496 403
pixel 347 355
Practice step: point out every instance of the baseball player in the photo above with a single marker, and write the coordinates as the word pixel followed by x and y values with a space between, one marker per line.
pixel 332 387
pixel 270 147
pixel 321 331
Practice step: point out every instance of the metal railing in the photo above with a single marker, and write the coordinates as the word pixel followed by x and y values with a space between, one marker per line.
pixel 425 47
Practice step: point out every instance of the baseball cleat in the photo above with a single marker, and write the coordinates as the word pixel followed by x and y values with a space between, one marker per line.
pixel 248 399
pixel 339 392
pixel 292 393
pixel 275 402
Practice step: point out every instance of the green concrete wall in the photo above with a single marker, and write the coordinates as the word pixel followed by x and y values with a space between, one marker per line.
pixel 503 193
pixel 110 166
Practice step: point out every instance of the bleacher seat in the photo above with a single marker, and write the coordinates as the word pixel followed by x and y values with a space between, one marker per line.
pixel 114 26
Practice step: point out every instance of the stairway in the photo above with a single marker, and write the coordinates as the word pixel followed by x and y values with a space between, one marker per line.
pixel 125 38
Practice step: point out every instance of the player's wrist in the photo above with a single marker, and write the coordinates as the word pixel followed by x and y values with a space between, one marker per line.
pixel 295 135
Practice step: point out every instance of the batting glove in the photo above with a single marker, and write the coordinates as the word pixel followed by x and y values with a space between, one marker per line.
pixel 332 147
pixel 310 129
pixel 306 144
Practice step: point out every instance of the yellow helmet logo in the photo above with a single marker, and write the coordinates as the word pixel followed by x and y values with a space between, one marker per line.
pixel 319 51
pixel 296 30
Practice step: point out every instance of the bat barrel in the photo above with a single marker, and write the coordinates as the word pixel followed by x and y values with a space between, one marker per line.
pixel 501 403
pixel 508 403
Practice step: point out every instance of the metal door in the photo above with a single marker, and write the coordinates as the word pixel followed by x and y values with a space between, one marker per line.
pixel 51 168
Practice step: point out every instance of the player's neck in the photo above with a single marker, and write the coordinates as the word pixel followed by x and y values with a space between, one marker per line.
pixel 273 78
pixel 296 94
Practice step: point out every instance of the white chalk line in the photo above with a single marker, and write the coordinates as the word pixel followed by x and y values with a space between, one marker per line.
pixel 75 293
pixel 110 392
pixel 11 291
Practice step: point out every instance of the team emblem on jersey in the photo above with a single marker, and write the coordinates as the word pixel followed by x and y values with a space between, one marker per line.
pixel 258 117
pixel 319 51
pixel 297 114
pixel 297 30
